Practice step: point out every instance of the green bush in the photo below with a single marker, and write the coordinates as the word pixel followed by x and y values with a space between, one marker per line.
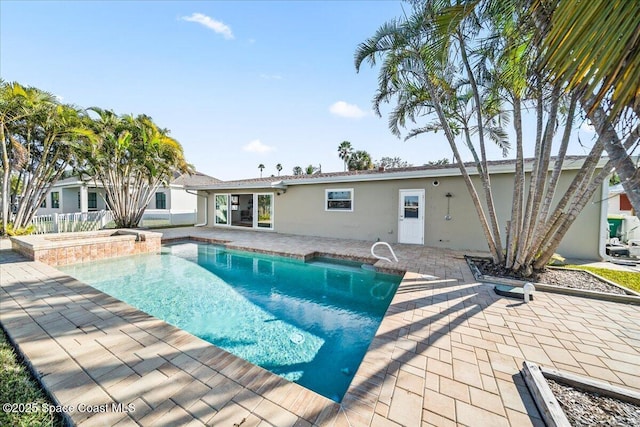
pixel 10 231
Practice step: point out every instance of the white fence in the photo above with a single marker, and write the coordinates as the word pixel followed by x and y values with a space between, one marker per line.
pixel 64 223
pixel 163 218
pixel 91 221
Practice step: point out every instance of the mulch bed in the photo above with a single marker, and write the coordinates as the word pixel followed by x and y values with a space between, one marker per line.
pixel 566 278
pixel 586 409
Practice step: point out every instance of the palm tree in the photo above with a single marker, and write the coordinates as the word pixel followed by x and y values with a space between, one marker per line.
pixel 594 47
pixel 37 136
pixel 360 160
pixel 426 69
pixel 310 170
pixel 344 152
pixel 278 168
pixel 131 157
pixel 261 167
pixel 297 170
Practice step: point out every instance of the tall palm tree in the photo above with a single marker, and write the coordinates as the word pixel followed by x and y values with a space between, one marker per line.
pixel 37 136
pixel 344 152
pixel 261 167
pixel 360 160
pixel 278 168
pixel 131 157
pixel 430 71
pixel 594 47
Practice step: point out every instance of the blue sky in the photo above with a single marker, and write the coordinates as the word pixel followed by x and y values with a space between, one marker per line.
pixel 238 83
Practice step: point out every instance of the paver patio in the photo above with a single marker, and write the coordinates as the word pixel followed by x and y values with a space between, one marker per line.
pixel 448 351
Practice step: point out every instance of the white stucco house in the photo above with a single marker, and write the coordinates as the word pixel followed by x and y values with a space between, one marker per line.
pixel 172 204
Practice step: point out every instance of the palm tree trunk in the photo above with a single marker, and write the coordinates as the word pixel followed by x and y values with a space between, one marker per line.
pixel 535 220
pixel 6 168
pixel 553 243
pixel 624 166
pixel 465 175
pixel 484 176
pixel 515 224
pixel 526 231
pixel 553 181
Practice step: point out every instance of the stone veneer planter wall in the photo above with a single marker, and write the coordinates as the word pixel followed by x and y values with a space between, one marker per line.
pixel 71 248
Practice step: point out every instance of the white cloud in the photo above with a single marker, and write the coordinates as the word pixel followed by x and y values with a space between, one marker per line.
pixel 586 126
pixel 347 110
pixel 256 146
pixel 270 76
pixel 207 21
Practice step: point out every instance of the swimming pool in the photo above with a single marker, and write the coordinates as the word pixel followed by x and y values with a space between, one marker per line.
pixel 308 322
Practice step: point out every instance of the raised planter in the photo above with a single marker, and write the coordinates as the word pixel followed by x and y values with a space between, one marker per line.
pixel 71 248
pixel 552 413
pixel 631 297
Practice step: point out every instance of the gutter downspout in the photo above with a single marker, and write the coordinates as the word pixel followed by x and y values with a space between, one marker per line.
pixel 604 224
pixel 206 207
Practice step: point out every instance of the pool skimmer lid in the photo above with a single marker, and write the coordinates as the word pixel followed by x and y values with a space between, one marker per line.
pixel 510 291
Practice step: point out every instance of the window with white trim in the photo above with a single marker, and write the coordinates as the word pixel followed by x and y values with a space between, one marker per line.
pixel 55 200
pixel 92 201
pixel 338 199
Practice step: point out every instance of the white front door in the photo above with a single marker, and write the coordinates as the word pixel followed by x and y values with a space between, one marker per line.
pixel 411 217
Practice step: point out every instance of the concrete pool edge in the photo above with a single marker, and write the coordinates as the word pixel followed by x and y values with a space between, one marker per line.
pixel 379 265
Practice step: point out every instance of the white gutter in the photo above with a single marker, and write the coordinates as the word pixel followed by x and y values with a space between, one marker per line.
pixel 206 207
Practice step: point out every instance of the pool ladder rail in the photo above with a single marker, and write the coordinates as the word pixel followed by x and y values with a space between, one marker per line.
pixel 381 257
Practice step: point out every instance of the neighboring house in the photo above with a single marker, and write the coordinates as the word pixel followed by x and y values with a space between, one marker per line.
pixel 426 205
pixel 74 194
pixel 624 225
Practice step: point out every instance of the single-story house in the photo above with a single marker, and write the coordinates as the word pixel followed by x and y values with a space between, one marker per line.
pixel 624 225
pixel 426 205
pixel 75 194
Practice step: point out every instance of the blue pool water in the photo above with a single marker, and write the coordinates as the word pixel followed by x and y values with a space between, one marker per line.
pixel 308 322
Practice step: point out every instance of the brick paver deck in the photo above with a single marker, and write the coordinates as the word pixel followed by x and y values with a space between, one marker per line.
pixel 448 351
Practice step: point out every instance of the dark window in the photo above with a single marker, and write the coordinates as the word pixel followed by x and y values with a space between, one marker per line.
pixel 339 200
pixel 79 201
pixel 92 201
pixel 55 200
pixel 161 201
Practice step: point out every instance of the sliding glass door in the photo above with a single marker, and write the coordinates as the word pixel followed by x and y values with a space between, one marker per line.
pixel 244 210
pixel 222 209
pixel 265 210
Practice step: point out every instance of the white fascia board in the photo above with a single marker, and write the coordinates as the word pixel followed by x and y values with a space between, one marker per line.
pixel 248 186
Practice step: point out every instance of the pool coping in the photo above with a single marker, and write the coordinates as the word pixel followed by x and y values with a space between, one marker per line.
pixel 179 350
pixel 306 257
